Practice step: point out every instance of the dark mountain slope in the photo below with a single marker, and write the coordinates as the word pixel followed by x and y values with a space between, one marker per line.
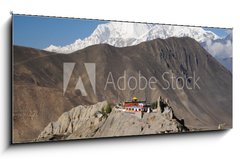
pixel 202 108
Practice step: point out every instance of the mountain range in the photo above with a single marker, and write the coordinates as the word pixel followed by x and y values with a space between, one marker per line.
pixel 122 34
pixel 38 82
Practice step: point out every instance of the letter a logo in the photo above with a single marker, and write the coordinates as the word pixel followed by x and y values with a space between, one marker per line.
pixel 91 72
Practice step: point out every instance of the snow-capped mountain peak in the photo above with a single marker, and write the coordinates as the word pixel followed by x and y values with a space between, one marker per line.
pixel 121 34
pixel 122 30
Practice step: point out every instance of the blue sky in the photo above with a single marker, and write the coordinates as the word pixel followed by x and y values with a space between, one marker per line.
pixel 220 32
pixel 40 32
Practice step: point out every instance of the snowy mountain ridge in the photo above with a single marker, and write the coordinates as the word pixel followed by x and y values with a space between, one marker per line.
pixel 121 34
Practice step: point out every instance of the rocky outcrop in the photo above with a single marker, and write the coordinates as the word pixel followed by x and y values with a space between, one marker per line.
pixel 83 119
pixel 38 83
pixel 123 124
pixel 89 122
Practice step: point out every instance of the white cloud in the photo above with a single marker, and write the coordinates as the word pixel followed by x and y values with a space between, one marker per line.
pixel 219 49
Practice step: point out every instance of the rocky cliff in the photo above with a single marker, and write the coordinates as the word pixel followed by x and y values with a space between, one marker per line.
pixel 88 122
pixel 38 97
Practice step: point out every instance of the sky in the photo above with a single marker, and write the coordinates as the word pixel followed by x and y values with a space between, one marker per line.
pixel 220 32
pixel 40 32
